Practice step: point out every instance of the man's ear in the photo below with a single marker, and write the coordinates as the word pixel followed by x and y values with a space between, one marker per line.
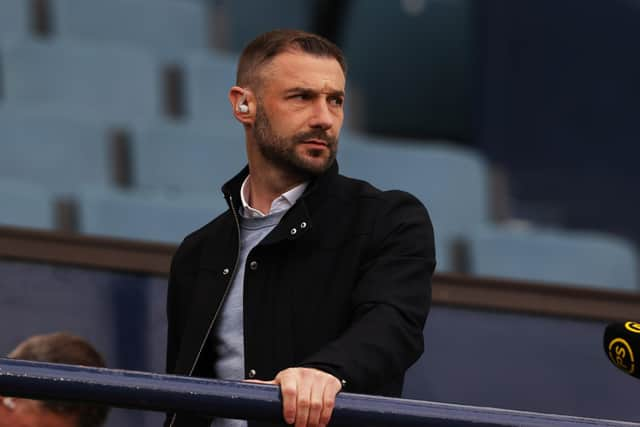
pixel 243 104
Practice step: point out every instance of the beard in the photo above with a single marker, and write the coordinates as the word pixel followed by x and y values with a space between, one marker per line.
pixel 281 151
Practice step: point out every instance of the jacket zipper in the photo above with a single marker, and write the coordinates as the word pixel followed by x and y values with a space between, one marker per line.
pixel 224 297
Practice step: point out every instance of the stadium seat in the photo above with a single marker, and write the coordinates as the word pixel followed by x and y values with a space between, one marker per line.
pixel 120 85
pixel 410 66
pixel 14 19
pixel 208 77
pixel 452 182
pixel 60 155
pixel 557 256
pixel 167 28
pixel 25 205
pixel 178 157
pixel 146 216
pixel 248 18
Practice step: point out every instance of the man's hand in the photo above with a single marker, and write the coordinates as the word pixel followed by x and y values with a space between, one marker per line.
pixel 308 396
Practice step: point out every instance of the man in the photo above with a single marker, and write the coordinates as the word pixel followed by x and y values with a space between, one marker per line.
pixel 312 281
pixel 54 348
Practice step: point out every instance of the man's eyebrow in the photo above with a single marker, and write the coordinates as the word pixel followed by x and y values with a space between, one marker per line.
pixel 306 90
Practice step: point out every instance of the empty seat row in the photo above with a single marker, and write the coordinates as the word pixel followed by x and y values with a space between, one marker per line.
pixel 543 255
pixel 64 155
pixel 185 159
pixel 120 85
pixel 165 28
pixel 152 216
pixel 589 259
pixel 58 155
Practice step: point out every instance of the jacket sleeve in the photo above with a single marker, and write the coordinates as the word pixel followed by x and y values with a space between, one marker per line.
pixel 391 300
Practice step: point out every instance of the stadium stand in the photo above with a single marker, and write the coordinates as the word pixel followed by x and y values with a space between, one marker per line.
pixel 186 159
pixel 166 28
pixel 118 84
pixel 58 154
pixel 14 19
pixel 552 255
pixel 147 216
pixel 25 205
pixel 452 181
pixel 103 66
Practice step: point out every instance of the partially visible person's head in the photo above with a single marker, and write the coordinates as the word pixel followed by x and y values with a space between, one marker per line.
pixel 59 347
pixel 289 95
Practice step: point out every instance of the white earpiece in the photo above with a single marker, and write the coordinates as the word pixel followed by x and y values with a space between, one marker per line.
pixel 241 106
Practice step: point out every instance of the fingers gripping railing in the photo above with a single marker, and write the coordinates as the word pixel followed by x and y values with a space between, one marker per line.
pixel 169 393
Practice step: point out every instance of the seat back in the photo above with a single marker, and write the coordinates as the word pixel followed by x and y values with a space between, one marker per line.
pixel 25 205
pixel 59 155
pixel 557 256
pixel 145 216
pixel 183 158
pixel 121 85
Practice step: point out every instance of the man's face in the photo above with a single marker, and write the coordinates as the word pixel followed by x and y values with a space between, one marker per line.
pixel 299 112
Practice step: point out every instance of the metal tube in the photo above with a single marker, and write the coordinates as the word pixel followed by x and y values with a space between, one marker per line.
pixel 171 393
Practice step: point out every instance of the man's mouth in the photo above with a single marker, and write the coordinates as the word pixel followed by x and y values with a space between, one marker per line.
pixel 316 141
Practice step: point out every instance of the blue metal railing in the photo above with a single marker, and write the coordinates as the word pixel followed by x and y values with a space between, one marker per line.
pixel 170 393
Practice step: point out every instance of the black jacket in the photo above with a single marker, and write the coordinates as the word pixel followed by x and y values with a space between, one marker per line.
pixel 342 284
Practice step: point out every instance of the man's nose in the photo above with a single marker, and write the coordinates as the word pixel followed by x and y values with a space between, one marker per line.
pixel 322 116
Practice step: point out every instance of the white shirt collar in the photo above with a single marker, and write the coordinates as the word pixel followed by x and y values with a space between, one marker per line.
pixel 281 203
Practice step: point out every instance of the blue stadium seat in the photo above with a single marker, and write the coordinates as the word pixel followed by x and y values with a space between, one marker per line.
pixel 60 155
pixel 452 182
pixel 248 18
pixel 146 216
pixel 120 85
pixel 410 65
pixel 168 28
pixel 14 19
pixel 208 77
pixel 183 158
pixel 25 205
pixel 557 256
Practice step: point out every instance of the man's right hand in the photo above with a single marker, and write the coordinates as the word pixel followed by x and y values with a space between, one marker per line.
pixel 308 396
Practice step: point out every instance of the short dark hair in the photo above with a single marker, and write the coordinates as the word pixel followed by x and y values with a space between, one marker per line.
pixel 63 347
pixel 268 45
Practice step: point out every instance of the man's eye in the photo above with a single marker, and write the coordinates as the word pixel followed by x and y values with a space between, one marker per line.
pixel 337 101
pixel 300 96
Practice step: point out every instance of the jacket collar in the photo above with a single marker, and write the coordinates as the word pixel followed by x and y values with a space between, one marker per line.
pixel 297 222
pixel 322 182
